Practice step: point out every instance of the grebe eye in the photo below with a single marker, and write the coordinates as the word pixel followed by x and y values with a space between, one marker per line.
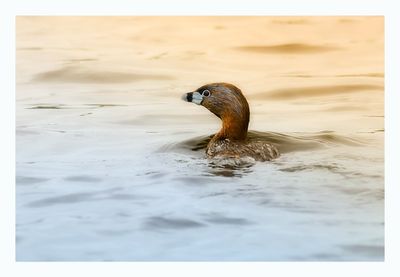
pixel 206 92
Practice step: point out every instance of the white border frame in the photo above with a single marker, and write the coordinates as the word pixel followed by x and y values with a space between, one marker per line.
pixel 9 267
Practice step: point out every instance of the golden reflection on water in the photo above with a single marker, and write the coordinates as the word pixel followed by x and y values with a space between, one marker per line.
pixel 324 63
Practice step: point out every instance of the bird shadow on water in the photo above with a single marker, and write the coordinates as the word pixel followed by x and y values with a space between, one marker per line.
pixel 286 143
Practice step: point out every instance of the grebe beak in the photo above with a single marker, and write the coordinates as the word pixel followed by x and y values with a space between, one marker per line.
pixel 194 97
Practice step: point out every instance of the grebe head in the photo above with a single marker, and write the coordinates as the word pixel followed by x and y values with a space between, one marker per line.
pixel 228 103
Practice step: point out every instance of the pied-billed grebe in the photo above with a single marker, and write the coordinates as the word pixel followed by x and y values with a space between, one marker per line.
pixel 228 103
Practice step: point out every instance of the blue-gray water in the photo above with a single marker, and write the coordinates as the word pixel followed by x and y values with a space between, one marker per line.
pixel 110 162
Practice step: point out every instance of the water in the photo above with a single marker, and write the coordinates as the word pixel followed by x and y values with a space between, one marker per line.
pixel 111 164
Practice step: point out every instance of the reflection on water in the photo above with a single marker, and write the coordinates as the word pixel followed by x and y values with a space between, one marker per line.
pixel 229 169
pixel 80 75
pixel 292 48
pixel 111 163
pixel 284 142
pixel 321 91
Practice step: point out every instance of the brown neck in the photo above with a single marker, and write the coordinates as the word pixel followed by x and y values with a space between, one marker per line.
pixel 233 128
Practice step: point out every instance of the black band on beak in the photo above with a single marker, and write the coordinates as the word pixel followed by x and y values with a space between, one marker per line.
pixel 188 97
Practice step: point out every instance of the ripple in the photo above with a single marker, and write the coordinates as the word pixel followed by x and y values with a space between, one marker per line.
pixel 30 48
pixel 329 167
pixel 82 178
pixel 286 143
pixel 64 199
pixel 369 250
pixel 159 222
pixel 368 75
pixel 63 106
pixel 78 60
pixel 79 75
pixel 288 48
pixel 27 180
pixel 317 91
pixel 291 21
pixel 218 219
pixel 48 107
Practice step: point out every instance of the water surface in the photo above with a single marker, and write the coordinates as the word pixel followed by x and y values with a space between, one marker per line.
pixel 110 162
